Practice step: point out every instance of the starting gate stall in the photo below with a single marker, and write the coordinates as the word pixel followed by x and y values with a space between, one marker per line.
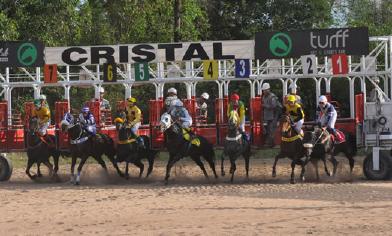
pixel 156 110
pixel 61 107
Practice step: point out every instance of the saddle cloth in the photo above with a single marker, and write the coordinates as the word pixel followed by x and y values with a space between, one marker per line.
pixel 195 141
pixel 339 138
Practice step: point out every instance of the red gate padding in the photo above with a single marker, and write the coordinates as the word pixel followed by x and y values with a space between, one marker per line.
pixel 3 126
pixel 190 105
pixel 221 105
pixel 256 120
pixel 359 108
pixel 156 109
pixel 61 107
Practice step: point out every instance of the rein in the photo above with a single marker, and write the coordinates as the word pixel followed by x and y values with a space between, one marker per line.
pixel 78 139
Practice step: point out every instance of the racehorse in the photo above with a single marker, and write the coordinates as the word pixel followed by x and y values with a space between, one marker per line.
pixel 291 146
pixel 39 151
pixel 322 143
pixel 129 151
pixel 83 145
pixel 235 146
pixel 179 148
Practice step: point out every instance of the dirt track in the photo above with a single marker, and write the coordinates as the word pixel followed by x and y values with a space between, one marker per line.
pixel 191 205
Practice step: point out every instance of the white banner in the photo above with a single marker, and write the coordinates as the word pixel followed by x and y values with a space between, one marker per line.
pixel 131 53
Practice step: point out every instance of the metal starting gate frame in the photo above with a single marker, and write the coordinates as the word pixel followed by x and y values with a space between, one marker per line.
pixel 378 63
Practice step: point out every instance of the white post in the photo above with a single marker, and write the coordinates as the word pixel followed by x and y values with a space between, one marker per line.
pixel 328 85
pixel 352 98
pixel 9 103
pixel 129 72
pixel 188 86
pixel 37 91
pixel 318 88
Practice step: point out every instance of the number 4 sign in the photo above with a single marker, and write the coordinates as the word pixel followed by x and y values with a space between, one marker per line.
pixel 339 64
pixel 309 64
pixel 50 73
pixel 210 70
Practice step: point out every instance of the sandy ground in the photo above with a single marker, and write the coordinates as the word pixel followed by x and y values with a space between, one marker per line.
pixel 191 205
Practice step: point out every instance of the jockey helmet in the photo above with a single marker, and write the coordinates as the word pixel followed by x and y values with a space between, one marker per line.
pixel 265 86
pixel 42 97
pixel 85 109
pixel 37 103
pixel 291 98
pixel 172 90
pixel 235 97
pixel 206 96
pixel 101 90
pixel 131 99
pixel 323 99
pixel 293 86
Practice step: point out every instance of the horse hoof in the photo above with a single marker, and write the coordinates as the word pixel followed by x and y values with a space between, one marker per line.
pixel 303 178
pixel 77 183
pixel 292 181
pixel 273 174
pixel 39 175
pixel 223 173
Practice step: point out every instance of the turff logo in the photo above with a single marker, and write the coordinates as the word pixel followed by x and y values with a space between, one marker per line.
pixel 27 54
pixel 337 40
pixel 280 44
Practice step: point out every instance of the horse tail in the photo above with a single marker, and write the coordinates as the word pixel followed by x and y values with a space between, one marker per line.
pixel 352 143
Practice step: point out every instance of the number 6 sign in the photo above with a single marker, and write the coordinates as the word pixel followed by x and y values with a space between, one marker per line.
pixel 339 64
pixel 309 64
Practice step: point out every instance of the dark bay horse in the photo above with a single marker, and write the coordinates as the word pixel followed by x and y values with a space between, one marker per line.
pixel 129 151
pixel 235 146
pixel 321 144
pixel 178 147
pixel 291 146
pixel 82 146
pixel 39 151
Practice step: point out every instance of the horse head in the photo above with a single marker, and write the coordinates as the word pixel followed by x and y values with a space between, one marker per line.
pixel 233 122
pixel 166 121
pixel 67 121
pixel 285 123
pixel 123 131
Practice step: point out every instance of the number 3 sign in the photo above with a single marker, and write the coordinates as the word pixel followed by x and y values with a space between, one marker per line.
pixel 242 68
pixel 309 64
pixel 339 64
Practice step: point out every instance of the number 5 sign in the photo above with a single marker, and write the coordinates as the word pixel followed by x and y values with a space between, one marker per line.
pixel 141 72
pixel 50 73
pixel 210 70
pixel 309 64
pixel 339 64
pixel 242 68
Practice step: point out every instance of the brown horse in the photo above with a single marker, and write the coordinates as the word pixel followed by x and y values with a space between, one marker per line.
pixel 291 146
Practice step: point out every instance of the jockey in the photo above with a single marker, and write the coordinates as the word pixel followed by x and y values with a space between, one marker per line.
pixel 293 91
pixel 87 121
pixel 239 107
pixel 43 101
pixel 180 114
pixel 201 105
pixel 134 119
pixel 171 96
pixel 326 115
pixel 294 110
pixel 42 113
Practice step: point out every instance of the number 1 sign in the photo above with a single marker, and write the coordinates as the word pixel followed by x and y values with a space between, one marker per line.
pixel 309 64
pixel 339 64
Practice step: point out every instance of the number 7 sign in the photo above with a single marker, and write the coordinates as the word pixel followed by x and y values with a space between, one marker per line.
pixel 50 73
pixel 339 64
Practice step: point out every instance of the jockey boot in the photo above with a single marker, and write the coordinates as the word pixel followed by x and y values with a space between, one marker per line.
pixel 140 142
pixel 245 136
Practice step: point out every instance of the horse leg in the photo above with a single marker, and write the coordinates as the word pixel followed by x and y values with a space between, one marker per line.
pixel 246 157
pixel 172 160
pixel 350 158
pixel 127 169
pixel 292 179
pixel 114 163
pixel 39 174
pixel 211 163
pixel 81 164
pixel 56 158
pixel 139 164
pixel 302 163
pixel 50 167
pixel 200 164
pixel 73 163
pixel 334 162
pixel 277 157
pixel 30 163
pixel 315 165
pixel 222 164
pixel 233 167
pixel 151 159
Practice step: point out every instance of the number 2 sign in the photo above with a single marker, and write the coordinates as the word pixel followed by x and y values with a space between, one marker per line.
pixel 339 64
pixel 309 64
